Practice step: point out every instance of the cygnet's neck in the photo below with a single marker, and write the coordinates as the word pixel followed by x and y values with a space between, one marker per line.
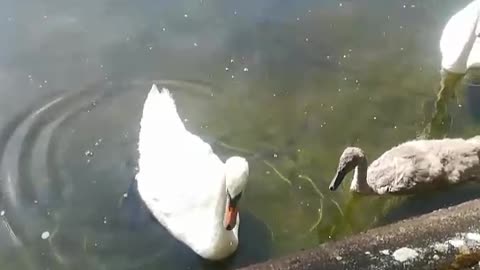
pixel 359 182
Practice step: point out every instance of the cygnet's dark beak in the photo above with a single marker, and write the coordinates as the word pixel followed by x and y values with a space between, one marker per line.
pixel 337 180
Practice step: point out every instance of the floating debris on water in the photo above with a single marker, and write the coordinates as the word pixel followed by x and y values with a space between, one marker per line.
pixel 339 258
pixel 45 235
pixel 2 213
pixel 98 142
pixel 125 195
pixel 245 69
pixel 88 153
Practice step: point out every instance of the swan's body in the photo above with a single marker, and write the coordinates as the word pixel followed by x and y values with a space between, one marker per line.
pixel 412 167
pixel 459 43
pixel 187 188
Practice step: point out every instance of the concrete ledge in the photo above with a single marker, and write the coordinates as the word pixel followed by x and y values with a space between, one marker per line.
pixel 445 239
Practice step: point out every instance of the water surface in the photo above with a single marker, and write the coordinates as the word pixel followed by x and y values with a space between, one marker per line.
pixel 286 84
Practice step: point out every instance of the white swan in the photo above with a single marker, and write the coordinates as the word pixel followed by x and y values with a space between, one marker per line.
pixel 188 189
pixel 460 48
pixel 459 43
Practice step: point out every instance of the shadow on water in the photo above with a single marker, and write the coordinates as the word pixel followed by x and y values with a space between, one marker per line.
pixel 254 242
pixel 440 121
pixel 425 203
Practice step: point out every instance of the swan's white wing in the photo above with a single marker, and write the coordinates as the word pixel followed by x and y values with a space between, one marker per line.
pixel 178 172
pixel 458 38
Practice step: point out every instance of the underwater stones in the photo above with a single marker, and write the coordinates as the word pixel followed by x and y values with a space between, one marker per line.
pixel 405 254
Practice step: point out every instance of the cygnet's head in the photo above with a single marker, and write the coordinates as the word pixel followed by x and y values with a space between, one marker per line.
pixel 236 175
pixel 349 159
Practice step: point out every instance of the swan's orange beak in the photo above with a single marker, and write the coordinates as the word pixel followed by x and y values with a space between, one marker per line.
pixel 231 217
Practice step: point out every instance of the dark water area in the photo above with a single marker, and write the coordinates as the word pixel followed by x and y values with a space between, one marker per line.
pixel 286 84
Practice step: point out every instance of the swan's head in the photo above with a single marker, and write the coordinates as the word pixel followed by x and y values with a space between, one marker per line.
pixel 236 175
pixel 349 159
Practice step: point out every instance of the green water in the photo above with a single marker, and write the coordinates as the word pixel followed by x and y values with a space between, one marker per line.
pixel 287 84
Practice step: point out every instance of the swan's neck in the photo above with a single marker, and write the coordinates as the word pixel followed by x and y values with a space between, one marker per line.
pixel 359 182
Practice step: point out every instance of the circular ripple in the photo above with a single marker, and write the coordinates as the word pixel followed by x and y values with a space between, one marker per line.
pixel 65 167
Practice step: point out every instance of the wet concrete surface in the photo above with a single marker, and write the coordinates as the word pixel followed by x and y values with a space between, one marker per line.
pixel 444 239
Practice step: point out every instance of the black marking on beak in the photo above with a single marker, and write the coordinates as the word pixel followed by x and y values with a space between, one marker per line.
pixel 233 202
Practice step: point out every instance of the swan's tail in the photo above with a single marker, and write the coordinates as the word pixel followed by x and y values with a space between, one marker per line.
pixel 160 113
pixel 160 124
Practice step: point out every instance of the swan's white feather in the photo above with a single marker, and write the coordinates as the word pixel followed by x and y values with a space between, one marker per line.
pixel 459 42
pixel 181 180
